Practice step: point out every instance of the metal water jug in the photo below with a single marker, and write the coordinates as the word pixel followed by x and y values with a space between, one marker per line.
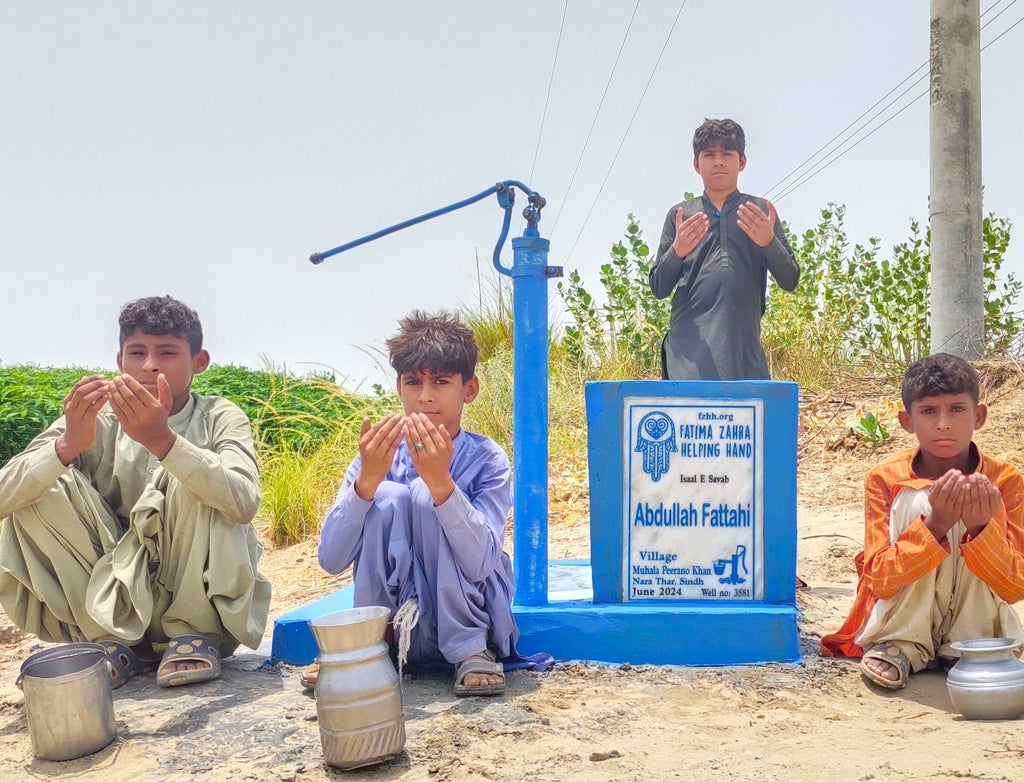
pixel 358 700
pixel 68 703
pixel 987 682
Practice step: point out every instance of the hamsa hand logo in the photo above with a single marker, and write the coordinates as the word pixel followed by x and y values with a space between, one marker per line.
pixel 656 439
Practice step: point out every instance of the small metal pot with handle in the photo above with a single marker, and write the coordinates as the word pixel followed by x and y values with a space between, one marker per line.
pixel 67 700
pixel 358 699
pixel 987 682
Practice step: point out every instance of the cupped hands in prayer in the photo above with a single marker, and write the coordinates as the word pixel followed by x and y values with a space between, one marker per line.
pixel 81 406
pixel 142 416
pixel 954 497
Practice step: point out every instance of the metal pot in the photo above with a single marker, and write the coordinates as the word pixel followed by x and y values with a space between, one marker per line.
pixel 358 701
pixel 987 682
pixel 67 700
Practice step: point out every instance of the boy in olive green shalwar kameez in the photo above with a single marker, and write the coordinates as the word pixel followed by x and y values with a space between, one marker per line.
pixel 127 521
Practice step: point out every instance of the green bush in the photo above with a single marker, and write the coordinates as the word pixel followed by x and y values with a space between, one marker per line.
pixel 852 310
pixel 626 331
pixel 31 398
pixel 300 477
pixel 855 310
pixel 284 409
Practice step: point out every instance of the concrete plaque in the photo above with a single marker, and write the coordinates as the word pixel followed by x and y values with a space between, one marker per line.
pixel 693 480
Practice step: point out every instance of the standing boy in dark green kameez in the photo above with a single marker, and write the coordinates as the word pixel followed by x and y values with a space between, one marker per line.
pixel 714 257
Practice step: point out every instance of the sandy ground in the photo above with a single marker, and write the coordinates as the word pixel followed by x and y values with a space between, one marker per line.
pixel 811 720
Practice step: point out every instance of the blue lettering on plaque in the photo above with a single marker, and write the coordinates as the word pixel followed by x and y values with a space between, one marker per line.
pixel 656 439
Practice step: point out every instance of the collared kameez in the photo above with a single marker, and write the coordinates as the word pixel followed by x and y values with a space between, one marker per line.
pixel 119 544
pixel 912 588
pixel 448 557
pixel 718 293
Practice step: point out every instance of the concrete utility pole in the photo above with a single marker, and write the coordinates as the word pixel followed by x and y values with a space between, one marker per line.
pixel 957 284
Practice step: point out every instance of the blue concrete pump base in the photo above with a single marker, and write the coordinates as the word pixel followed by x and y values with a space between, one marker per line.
pixel 578 629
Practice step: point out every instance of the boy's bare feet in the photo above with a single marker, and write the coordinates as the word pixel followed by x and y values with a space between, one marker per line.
pixel 886 665
pixel 185 665
pixel 480 674
pixel 883 669
pixel 483 679
pixel 188 658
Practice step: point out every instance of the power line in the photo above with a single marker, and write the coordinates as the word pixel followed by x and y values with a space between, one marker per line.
pixel 841 132
pixel 853 146
pixel 593 123
pixel 636 110
pixel 796 172
pixel 789 188
pixel 1004 32
pixel 1005 9
pixel 547 97
pixel 839 152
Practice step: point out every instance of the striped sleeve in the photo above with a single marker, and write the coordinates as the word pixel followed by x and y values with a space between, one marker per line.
pixel 996 554
pixel 889 567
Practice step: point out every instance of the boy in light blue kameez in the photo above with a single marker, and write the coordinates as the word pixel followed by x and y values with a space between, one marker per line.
pixel 421 512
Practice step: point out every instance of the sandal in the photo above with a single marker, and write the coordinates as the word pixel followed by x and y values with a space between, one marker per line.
pixel 308 675
pixel 189 647
pixel 888 653
pixel 480 663
pixel 125 664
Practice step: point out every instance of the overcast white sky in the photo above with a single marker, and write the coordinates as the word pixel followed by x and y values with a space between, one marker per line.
pixel 206 149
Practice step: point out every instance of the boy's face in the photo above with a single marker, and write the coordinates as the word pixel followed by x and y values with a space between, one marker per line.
pixel 145 356
pixel 439 396
pixel 719 168
pixel 944 425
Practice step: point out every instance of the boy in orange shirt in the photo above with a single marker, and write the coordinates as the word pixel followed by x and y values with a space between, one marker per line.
pixel 943 555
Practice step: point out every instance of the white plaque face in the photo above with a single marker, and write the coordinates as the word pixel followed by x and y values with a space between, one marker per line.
pixel 693 483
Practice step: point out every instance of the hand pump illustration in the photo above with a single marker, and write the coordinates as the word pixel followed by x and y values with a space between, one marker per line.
pixel 529 273
pixel 735 562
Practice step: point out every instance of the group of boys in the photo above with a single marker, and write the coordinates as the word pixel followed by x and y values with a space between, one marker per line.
pixel 128 521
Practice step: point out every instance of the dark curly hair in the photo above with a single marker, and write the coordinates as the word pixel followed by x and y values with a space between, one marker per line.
pixel 438 343
pixel 726 132
pixel 162 315
pixel 940 373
